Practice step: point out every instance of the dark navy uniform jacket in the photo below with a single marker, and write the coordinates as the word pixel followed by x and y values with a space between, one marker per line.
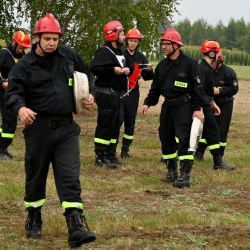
pixel 43 83
pixel 226 79
pixel 102 66
pixel 175 78
pixel 8 59
pixel 138 57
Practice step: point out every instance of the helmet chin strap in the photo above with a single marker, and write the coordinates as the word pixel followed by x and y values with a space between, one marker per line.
pixel 209 59
pixel 39 44
pixel 44 52
pixel 173 50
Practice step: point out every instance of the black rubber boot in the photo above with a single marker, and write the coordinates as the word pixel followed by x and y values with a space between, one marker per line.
pixel 172 173
pixel 125 154
pixel 185 170
pixel 220 164
pixel 112 154
pixel 78 230
pixel 101 158
pixel 199 154
pixel 125 148
pixel 33 226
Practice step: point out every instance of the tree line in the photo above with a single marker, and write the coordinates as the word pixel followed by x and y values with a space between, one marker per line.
pixel 234 38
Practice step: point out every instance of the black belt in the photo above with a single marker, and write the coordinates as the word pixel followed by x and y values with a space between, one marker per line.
pixel 109 91
pixel 54 121
pixel 177 101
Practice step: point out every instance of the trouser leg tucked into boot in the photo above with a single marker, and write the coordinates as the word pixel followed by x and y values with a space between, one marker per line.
pixel 101 158
pixel 78 230
pixel 112 154
pixel 199 154
pixel 220 164
pixel 125 148
pixel 172 173
pixel 185 170
pixel 33 226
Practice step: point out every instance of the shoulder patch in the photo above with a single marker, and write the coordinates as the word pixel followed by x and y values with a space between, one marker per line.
pixel 235 83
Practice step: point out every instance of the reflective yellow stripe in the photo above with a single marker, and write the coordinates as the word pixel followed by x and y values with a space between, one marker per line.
pixel 180 84
pixel 6 135
pixel 67 204
pixel 1 130
pixel 70 82
pixel 34 203
pixel 177 139
pixel 223 144
pixel 22 35
pixel 215 146
pixel 129 137
pixel 101 141
pixel 171 156
pixel 186 157
pixel 113 141
pixel 203 141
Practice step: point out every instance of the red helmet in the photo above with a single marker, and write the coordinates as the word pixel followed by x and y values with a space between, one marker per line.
pixel 22 39
pixel 111 30
pixel 133 33
pixel 48 24
pixel 172 35
pixel 210 45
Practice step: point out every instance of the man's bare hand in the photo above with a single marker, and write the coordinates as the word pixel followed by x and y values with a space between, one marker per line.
pixel 87 104
pixel 5 85
pixel 215 108
pixel 26 115
pixel 144 110
pixel 199 114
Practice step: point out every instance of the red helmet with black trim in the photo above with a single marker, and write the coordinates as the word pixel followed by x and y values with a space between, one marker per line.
pixel 111 30
pixel 210 45
pixel 22 39
pixel 133 33
pixel 172 35
pixel 48 24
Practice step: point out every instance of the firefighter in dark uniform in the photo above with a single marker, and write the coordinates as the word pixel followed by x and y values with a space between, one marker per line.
pixel 40 91
pixel 226 86
pixel 9 56
pixel 129 104
pixel 111 85
pixel 176 78
pixel 211 134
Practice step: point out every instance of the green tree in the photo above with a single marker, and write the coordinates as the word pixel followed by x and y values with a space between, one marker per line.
pixel 82 21
pixel 184 28
pixel 199 32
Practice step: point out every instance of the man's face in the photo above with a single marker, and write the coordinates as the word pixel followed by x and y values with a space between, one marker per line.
pixel 19 49
pixel 168 47
pixel 49 42
pixel 121 37
pixel 133 43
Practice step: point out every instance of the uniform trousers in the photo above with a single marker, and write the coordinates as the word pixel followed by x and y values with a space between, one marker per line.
pixel 175 121
pixel 54 142
pixel 9 123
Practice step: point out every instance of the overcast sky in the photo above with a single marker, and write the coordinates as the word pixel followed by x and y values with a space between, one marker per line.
pixel 213 10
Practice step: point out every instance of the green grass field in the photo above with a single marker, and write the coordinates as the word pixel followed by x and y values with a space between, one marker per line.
pixel 131 208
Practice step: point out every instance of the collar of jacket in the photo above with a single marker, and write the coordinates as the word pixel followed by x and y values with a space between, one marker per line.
pixel 36 57
pixel 176 61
